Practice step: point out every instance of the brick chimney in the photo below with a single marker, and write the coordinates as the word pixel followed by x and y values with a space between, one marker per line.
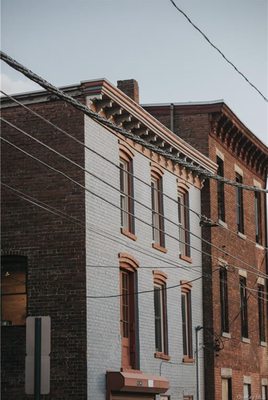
pixel 130 87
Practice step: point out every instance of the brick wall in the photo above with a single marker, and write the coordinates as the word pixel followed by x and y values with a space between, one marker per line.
pixel 55 247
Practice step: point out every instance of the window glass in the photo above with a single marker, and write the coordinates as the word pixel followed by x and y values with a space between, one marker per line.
pixel 244 307
pixel 126 195
pixel 160 309
pixel 224 300
pixel 220 190
pixel 186 312
pixel 157 211
pixel 239 204
pixel 184 223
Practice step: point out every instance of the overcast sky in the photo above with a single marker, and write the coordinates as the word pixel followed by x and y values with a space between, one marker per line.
pixel 67 41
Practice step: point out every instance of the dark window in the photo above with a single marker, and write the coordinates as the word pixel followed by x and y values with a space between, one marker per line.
pixel 186 312
pixel 157 211
pixel 184 222
pixel 126 195
pixel 226 388
pixel 258 217
pixel 13 290
pixel 220 190
pixel 239 204
pixel 128 319
pixel 224 300
pixel 264 392
pixel 247 392
pixel 261 311
pixel 244 307
pixel 160 316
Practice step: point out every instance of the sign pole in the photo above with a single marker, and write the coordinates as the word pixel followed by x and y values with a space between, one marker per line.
pixel 37 359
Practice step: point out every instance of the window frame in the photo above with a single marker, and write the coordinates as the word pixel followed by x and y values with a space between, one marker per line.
pixel 160 279
pixel 220 190
pixel 243 306
pixel 126 184
pixel 258 217
pixel 247 386
pixel 184 223
pixel 13 262
pixel 261 313
pixel 157 204
pixel 239 204
pixel 187 324
pixel 224 305
pixel 264 392
pixel 229 387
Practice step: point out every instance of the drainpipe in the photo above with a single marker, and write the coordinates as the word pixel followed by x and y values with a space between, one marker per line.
pixel 197 329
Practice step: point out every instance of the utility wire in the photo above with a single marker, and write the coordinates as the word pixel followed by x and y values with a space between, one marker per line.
pixel 202 217
pixel 118 207
pixel 59 213
pixel 118 190
pixel 96 117
pixel 218 50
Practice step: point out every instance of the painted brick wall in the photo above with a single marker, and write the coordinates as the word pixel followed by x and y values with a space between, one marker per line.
pixel 104 242
pixel 55 247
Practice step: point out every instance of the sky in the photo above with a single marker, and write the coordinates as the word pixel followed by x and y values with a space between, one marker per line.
pixel 67 41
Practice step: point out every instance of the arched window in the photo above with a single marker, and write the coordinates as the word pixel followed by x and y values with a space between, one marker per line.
pixel 13 289
pixel 158 227
pixel 186 313
pixel 128 310
pixel 184 221
pixel 127 191
pixel 160 314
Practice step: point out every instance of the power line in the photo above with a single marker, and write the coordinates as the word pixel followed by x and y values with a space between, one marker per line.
pixel 118 207
pixel 205 218
pixel 96 117
pixel 218 50
pixel 118 190
pixel 57 212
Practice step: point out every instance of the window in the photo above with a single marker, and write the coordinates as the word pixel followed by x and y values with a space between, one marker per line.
pixel 220 190
pixel 226 388
pixel 184 223
pixel 264 392
pixel 258 221
pixel 186 313
pixel 157 210
pixel 126 195
pixel 247 391
pixel 13 290
pixel 224 300
pixel 239 204
pixel 160 313
pixel 243 306
pixel 128 320
pixel 261 312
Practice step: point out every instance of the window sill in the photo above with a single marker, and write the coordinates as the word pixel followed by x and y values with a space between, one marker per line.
pixel 245 340
pixel 226 335
pixel 163 356
pixel 263 344
pixel 158 247
pixel 241 235
pixel 186 258
pixel 128 234
pixel 222 223
pixel 135 371
pixel 259 246
pixel 187 360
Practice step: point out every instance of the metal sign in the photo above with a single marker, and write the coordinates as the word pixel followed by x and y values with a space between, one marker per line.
pixel 37 361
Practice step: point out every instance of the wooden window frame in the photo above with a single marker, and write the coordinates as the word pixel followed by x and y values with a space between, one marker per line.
pixel 187 325
pixel 158 225
pixel 12 264
pixel 261 313
pixel 128 269
pixel 239 204
pixel 220 190
pixel 223 274
pixel 258 217
pixel 184 223
pixel 160 279
pixel 229 386
pixel 127 202
pixel 243 306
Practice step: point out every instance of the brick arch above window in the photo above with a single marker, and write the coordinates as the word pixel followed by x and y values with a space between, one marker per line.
pixel 159 277
pixel 183 186
pixel 125 151
pixel 128 262
pixel 156 171
pixel 186 286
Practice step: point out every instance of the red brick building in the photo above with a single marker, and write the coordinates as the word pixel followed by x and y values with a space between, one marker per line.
pixel 235 303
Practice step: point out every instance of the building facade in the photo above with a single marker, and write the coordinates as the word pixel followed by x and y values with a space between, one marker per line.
pixel 235 296
pixel 107 244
